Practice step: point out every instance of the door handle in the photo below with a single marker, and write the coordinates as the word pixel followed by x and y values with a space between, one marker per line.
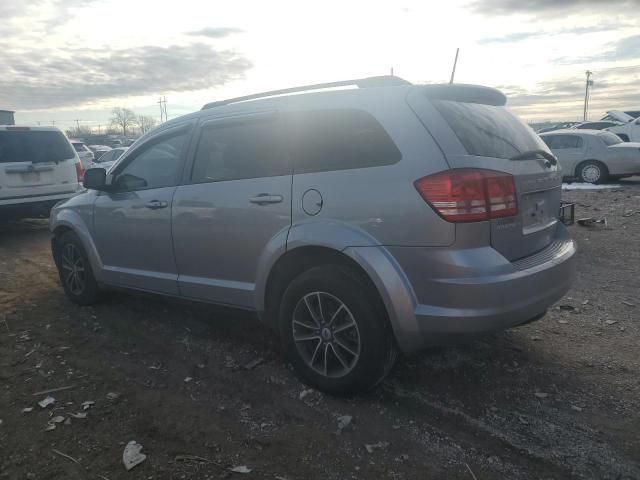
pixel 156 204
pixel 265 198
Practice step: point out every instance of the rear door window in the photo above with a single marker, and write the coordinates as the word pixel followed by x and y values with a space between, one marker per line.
pixel 487 130
pixel 325 140
pixel 238 150
pixel 559 142
pixel 34 146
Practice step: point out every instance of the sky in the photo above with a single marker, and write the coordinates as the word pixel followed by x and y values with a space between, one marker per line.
pixel 67 60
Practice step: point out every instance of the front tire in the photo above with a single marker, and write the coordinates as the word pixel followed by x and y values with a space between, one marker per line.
pixel 335 330
pixel 592 171
pixel 74 269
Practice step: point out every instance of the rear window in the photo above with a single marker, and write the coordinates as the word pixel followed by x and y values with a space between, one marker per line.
pixel 610 138
pixel 78 147
pixel 559 142
pixel 487 130
pixel 326 140
pixel 34 146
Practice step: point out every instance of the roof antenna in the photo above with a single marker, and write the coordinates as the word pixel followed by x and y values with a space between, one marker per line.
pixel 455 62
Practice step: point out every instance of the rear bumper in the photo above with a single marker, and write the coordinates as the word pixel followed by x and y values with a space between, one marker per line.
pixel 31 207
pixel 455 293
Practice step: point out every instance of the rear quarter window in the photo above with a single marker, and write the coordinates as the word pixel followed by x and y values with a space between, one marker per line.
pixel 34 146
pixel 326 140
pixel 488 130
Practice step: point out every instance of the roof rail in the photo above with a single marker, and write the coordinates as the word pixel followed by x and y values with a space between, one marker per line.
pixel 380 81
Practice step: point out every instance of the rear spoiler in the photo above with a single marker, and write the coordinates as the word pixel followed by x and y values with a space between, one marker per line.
pixel 460 92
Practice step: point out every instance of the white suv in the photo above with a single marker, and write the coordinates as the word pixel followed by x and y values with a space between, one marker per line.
pixel 38 168
pixel 84 153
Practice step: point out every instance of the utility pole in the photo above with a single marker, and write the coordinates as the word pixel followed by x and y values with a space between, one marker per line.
pixel 586 95
pixel 392 71
pixel 163 109
pixel 455 62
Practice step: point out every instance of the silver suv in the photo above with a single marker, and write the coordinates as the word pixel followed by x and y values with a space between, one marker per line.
pixel 357 222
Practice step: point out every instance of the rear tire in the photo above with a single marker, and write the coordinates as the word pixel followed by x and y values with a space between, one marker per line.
pixel 335 330
pixel 74 269
pixel 592 171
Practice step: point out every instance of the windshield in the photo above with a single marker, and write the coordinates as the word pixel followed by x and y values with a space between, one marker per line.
pixel 487 130
pixel 610 138
pixel 34 146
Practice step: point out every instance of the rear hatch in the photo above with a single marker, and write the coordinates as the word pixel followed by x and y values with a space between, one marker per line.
pixel 35 163
pixel 476 131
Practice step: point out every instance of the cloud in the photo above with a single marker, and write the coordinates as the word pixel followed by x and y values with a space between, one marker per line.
pixel 549 7
pixel 625 49
pixel 520 36
pixel 215 32
pixel 562 98
pixel 47 15
pixel 46 78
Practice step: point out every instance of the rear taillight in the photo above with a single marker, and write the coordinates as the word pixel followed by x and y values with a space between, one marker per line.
pixel 469 195
pixel 79 172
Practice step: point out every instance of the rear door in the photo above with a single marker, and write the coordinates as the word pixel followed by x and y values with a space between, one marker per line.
pixel 474 130
pixel 238 198
pixel 35 163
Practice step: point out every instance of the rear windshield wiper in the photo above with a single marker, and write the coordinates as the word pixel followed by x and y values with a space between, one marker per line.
pixel 532 154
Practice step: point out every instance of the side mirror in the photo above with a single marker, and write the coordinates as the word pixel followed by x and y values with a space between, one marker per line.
pixel 95 179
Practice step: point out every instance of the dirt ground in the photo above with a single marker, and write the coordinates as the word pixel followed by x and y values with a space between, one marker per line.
pixel 555 399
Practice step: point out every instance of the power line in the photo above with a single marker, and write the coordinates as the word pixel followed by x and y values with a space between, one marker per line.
pixel 163 109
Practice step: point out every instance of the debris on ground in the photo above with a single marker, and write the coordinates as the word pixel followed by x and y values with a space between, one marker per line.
pixel 305 392
pixel 87 405
pixel 46 402
pixel 53 390
pixel 113 396
pixel 628 304
pixel 78 415
pixel 541 394
pixel 591 222
pixel 240 469
pixel 254 363
pixel 375 446
pixel 188 379
pixel 344 422
pixel 27 410
pixel 132 455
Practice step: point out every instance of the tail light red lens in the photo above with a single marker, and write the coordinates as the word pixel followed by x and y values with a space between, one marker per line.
pixel 79 172
pixel 469 195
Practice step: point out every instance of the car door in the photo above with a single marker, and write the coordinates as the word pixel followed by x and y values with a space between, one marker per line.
pixel 236 200
pixel 132 222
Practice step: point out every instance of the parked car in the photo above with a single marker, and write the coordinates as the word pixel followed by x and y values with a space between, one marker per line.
pixel 594 156
pixel 558 126
pixel 614 114
pixel 601 125
pixel 107 159
pixel 99 150
pixel 38 168
pixel 356 222
pixel 628 128
pixel 84 153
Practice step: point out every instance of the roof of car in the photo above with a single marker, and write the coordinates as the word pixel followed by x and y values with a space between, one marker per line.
pixel 29 127
pixel 572 131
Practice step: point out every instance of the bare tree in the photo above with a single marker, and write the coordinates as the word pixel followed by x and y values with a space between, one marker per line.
pixel 122 118
pixel 145 123
pixel 79 132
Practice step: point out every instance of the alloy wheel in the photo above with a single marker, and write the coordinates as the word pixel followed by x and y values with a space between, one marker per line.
pixel 73 269
pixel 591 173
pixel 326 334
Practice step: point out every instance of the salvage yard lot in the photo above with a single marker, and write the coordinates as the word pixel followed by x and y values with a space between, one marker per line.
pixel 204 389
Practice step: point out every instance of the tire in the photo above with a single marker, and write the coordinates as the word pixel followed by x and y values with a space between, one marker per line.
pixel 592 171
pixel 69 253
pixel 345 347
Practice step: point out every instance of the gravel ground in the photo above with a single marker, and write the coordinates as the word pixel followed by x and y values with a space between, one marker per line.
pixel 205 390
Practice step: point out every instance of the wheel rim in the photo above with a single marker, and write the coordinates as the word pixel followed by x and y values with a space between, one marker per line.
pixel 326 334
pixel 73 269
pixel 591 173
